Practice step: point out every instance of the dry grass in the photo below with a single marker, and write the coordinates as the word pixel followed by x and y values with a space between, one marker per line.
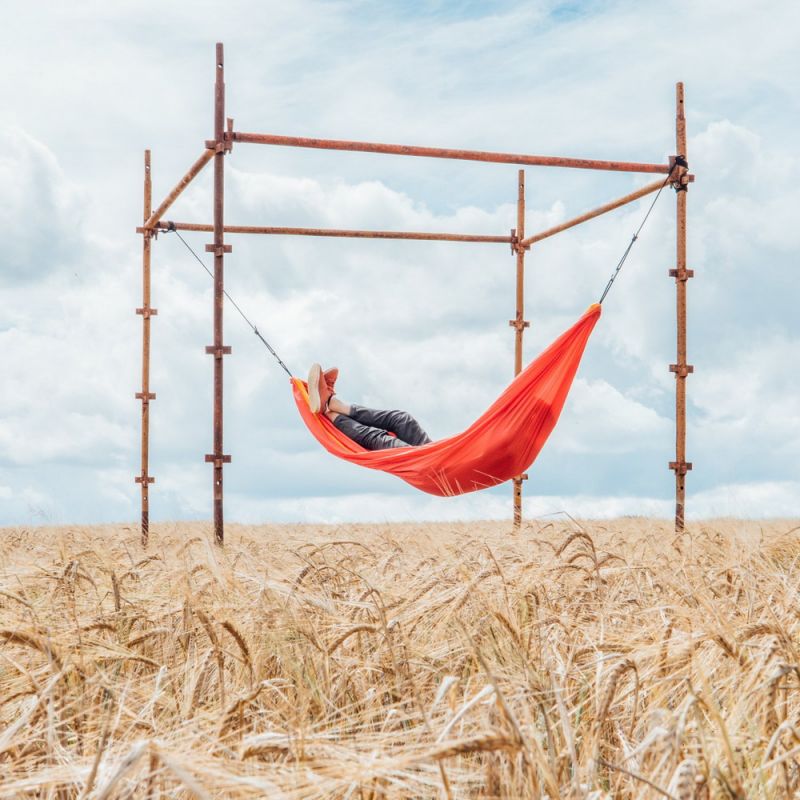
pixel 605 660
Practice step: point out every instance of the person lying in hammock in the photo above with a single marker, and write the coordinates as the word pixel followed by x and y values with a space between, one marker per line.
pixel 372 429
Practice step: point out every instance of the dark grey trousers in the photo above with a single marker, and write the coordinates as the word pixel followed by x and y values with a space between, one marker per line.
pixel 371 428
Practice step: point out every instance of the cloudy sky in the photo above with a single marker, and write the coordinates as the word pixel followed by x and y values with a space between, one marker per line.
pixel 87 86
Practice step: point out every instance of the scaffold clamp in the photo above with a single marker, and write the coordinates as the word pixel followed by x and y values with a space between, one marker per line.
pixel 681 274
pixel 219 249
pixel 680 467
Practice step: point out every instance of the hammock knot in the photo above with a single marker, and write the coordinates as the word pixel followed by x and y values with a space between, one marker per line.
pixel 680 183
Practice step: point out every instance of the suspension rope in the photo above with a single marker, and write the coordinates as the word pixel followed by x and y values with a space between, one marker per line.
pixel 680 161
pixel 172 229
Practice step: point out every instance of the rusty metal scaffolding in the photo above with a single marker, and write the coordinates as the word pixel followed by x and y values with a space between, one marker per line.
pixel 146 312
pixel 217 148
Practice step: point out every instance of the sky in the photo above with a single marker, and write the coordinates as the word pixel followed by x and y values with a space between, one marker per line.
pixel 422 326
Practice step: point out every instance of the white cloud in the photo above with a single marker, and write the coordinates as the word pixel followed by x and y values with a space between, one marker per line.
pixel 748 420
pixel 601 419
pixel 754 499
pixel 417 325
pixel 26 505
pixel 40 210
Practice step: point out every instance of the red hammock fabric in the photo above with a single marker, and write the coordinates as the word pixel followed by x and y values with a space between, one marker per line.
pixel 500 445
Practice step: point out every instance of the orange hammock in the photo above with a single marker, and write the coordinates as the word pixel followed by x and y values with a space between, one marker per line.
pixel 500 445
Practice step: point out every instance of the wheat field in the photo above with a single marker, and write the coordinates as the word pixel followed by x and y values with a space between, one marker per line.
pixel 580 660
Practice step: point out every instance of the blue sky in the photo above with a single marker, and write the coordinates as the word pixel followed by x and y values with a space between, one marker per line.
pixel 417 325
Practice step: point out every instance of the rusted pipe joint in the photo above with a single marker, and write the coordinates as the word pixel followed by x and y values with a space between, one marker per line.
pixel 519 324
pixel 517 244
pixel 219 249
pixel 681 274
pixel 144 479
pixel 682 183
pixel 681 370
pixel 680 467
pixel 217 461
pixel 218 352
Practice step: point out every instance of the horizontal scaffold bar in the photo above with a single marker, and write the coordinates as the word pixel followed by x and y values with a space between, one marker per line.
pixel 438 152
pixel 352 234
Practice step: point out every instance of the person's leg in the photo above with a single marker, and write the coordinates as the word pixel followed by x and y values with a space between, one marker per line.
pixel 371 423
pixel 368 437
pixel 400 423
pixel 372 437
pixel 336 406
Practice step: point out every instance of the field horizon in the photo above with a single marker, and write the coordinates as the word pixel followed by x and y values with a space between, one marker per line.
pixel 576 658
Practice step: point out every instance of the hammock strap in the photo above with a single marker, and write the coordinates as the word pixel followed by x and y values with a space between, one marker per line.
pixel 172 229
pixel 680 161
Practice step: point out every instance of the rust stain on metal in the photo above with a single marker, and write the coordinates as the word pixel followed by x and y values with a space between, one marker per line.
pixel 681 369
pixel 219 249
pixel 519 323
pixel 447 153
pixel 337 233
pixel 146 395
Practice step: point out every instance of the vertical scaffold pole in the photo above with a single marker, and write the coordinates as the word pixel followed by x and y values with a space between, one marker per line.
pixel 681 369
pixel 518 323
pixel 146 395
pixel 218 248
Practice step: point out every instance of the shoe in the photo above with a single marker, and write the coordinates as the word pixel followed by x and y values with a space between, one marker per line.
pixel 330 376
pixel 320 387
